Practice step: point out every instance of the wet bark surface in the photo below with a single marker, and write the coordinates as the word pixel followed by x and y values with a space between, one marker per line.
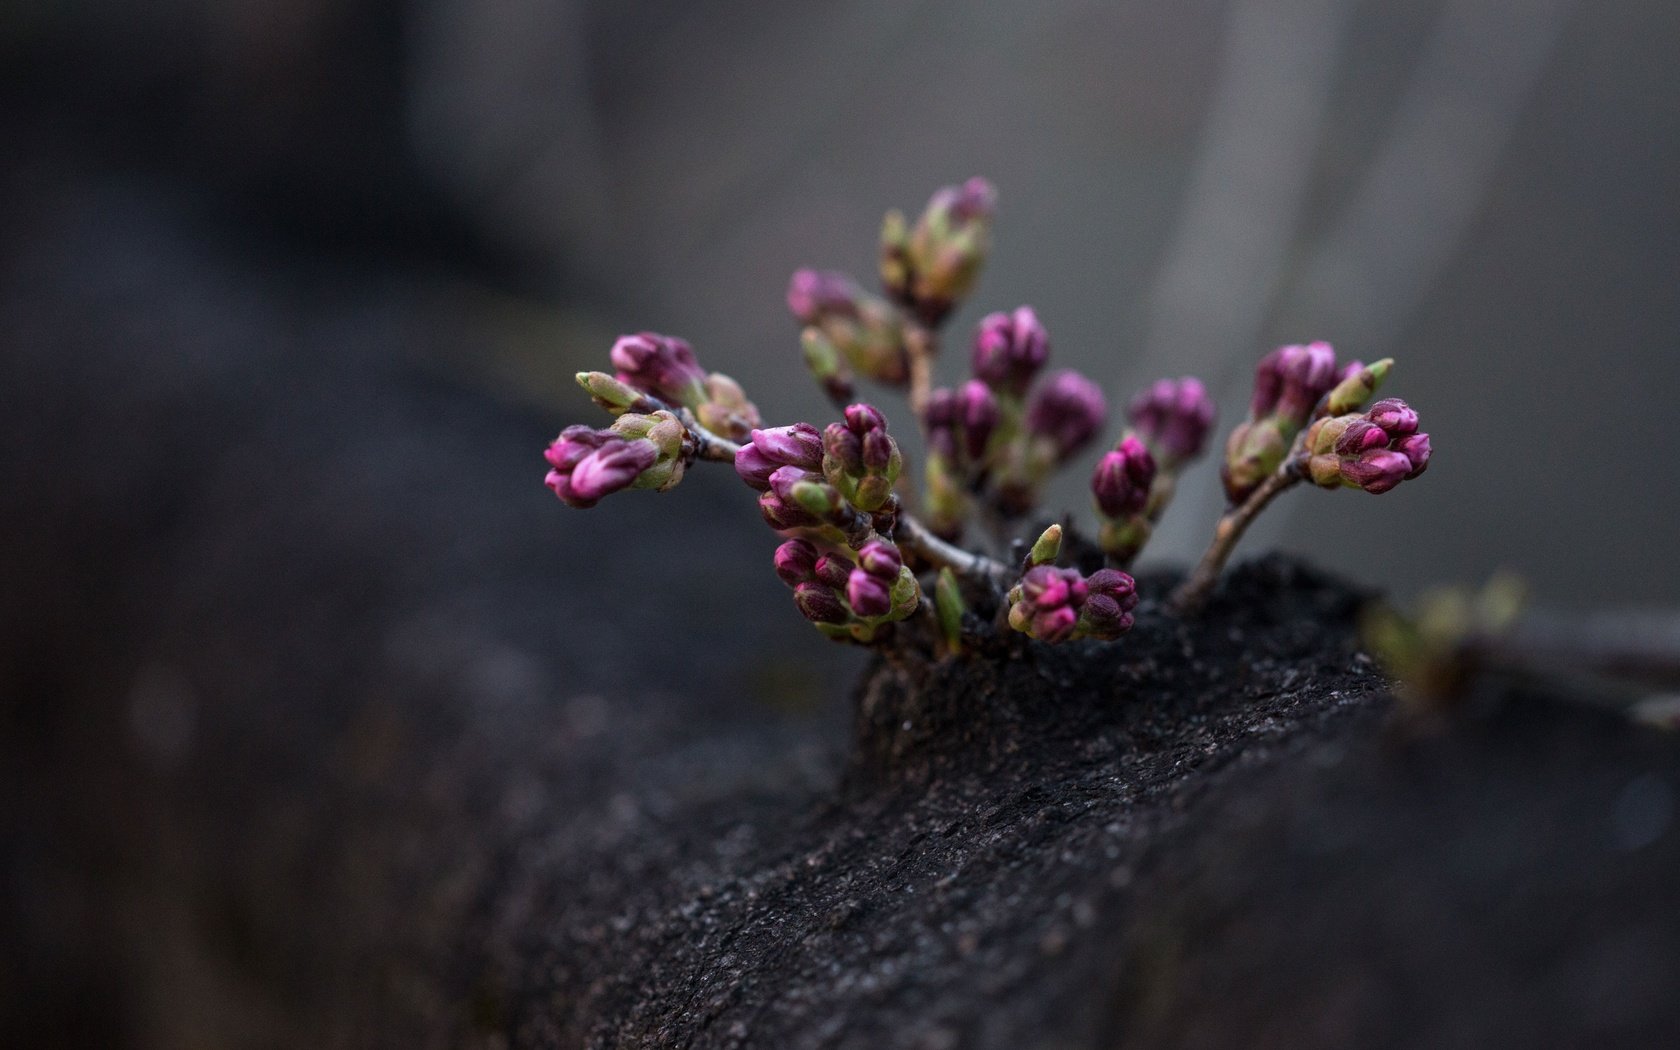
pixel 324 726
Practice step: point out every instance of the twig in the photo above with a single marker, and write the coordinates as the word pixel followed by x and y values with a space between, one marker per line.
pixel 1193 593
pixel 920 345
pixel 913 535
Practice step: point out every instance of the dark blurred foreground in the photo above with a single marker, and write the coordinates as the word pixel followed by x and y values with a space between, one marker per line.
pixel 307 682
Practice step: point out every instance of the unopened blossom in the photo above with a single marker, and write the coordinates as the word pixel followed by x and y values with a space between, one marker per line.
pixel 931 266
pixel 1288 385
pixel 768 450
pixel 661 365
pixel 1174 418
pixel 1374 451
pixel 846 325
pixel 860 458
pixel 1069 409
pixel 1010 349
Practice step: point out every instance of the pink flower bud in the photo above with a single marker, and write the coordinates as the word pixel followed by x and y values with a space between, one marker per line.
pixel 661 365
pixel 819 604
pixel 977 411
pixel 813 295
pixel 1010 349
pixel 1069 410
pixel 1396 417
pixel 796 562
pixel 1378 471
pixel 1415 448
pixel 833 570
pixel 1123 478
pixel 880 559
pixel 1175 417
pixel 611 467
pixel 798 445
pixel 868 595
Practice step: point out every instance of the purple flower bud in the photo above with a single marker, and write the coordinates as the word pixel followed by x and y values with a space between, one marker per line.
pixel 574 443
pixel 1054 625
pixel 862 418
pixel 880 559
pixel 1046 587
pixel 1068 410
pixel 1415 447
pixel 941 408
pixel 1307 374
pixel 878 450
pixel 930 267
pixel 819 604
pixel 1107 613
pixel 1123 478
pixel 1361 435
pixel 1378 471
pixel 662 365
pixel 798 445
pixel 1395 417
pixel 784 514
pixel 796 562
pixel 977 412
pixel 612 467
pixel 755 467
pixel 833 569
pixel 815 294
pixel 843 448
pixel 1175 417
pixel 1010 349
pixel 868 595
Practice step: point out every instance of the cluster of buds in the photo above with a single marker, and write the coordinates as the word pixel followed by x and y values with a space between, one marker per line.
pixel 661 371
pixel 860 459
pixel 1061 604
pixel 992 437
pixel 1134 483
pixel 928 268
pixel 852 595
pixel 851 549
pixel 1287 387
pixel 847 331
pixel 642 451
pixel 1375 451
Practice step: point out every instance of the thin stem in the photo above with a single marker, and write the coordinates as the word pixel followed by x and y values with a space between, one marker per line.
pixel 920 345
pixel 913 535
pixel 708 445
pixel 1193 593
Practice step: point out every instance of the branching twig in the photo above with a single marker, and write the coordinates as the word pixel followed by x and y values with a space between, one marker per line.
pixel 1194 591
pixel 915 536
pixel 920 345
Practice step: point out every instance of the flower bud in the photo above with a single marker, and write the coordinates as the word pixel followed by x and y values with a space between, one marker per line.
pixel 796 562
pixel 819 604
pixel 1123 478
pixel 726 410
pixel 880 558
pixel 833 569
pixel 661 365
pixel 1375 451
pixel 611 394
pixel 1174 417
pixel 1395 417
pixel 1358 383
pixel 932 266
pixel 1010 349
pixel 867 595
pixel 613 466
pixel 977 414
pixel 1047 548
pixel 860 459
pixel 1107 612
pixel 823 360
pixel 1045 604
pixel 863 329
pixel 1068 410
